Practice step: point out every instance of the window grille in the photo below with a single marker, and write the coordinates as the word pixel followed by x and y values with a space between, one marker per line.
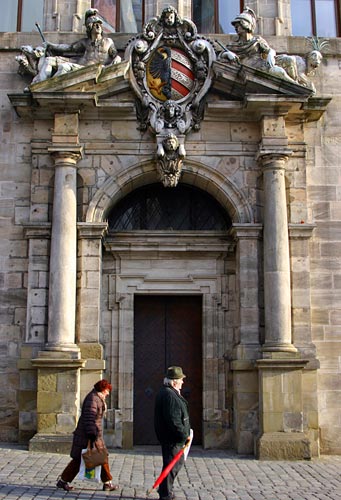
pixel 154 207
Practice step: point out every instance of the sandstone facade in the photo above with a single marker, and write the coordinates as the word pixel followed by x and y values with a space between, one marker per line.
pixel 271 346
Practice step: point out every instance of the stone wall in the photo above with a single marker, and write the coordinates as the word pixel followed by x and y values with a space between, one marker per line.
pixel 228 149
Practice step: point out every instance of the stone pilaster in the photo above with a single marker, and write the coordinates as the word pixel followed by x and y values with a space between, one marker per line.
pixel 248 257
pixel 89 259
pixel 245 387
pixel 89 279
pixel 299 238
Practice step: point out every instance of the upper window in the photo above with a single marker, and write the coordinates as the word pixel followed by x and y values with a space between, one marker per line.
pixel 215 16
pixel 21 15
pixel 154 207
pixel 315 18
pixel 125 16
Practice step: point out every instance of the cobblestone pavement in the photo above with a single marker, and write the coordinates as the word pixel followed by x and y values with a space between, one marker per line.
pixel 207 475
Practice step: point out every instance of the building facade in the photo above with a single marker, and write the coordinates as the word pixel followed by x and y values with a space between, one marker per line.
pixel 193 221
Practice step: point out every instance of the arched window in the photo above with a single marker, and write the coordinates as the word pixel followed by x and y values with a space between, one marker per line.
pixel 315 18
pixel 154 207
pixel 126 16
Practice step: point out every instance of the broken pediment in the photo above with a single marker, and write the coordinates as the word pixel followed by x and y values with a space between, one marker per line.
pixel 237 92
pixel 239 80
pixel 242 92
pixel 105 81
pixel 86 89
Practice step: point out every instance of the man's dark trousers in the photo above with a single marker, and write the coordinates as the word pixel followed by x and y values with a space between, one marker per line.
pixel 168 453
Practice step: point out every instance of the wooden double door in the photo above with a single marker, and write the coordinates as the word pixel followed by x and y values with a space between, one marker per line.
pixel 167 331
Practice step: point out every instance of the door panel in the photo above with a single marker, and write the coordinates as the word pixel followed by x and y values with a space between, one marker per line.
pixel 167 331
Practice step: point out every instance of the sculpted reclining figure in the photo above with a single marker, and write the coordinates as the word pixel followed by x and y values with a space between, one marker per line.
pixel 300 68
pixel 253 50
pixel 58 59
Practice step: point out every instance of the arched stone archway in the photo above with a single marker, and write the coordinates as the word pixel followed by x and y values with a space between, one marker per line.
pixel 194 173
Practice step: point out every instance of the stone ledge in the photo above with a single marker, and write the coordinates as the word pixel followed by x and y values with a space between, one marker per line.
pixel 284 446
pixel 58 363
pixel 51 443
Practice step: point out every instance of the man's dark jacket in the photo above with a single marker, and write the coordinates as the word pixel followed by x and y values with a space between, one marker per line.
pixel 171 417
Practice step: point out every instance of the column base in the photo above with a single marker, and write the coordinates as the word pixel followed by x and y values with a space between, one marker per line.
pixel 278 347
pixel 51 443
pixel 71 349
pixel 284 446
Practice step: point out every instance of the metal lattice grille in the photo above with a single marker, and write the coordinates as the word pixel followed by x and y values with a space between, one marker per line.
pixel 156 208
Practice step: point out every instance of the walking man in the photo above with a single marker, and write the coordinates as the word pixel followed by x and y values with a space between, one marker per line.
pixel 172 426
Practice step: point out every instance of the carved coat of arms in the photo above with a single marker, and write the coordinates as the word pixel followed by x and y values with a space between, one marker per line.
pixel 171 73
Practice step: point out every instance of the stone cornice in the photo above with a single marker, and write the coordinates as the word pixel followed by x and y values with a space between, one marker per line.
pixel 279 364
pixel 58 363
pixel 163 241
pixel 37 230
pixel 91 230
pixel 301 231
pixel 247 231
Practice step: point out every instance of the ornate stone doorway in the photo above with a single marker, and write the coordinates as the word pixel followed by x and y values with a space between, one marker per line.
pixel 168 244
pixel 172 264
pixel 167 331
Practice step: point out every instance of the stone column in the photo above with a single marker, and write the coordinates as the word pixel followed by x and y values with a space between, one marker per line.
pixel 63 255
pixel 281 418
pixel 59 364
pixel 277 294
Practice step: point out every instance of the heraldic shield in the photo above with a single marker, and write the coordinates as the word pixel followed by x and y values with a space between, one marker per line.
pixel 170 72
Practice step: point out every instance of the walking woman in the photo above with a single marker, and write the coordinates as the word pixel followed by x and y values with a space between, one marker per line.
pixel 89 427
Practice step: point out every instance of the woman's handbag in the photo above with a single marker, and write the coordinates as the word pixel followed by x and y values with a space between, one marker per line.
pixel 94 456
pixel 93 474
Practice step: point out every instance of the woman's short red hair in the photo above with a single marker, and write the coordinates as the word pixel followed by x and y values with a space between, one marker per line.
pixel 101 385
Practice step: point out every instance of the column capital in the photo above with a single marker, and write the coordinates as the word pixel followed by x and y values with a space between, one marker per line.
pixel 66 155
pixel 273 158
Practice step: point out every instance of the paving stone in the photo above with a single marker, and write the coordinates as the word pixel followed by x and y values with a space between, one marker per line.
pixel 206 475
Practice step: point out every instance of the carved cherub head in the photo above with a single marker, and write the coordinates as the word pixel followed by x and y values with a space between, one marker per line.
pixel 169 16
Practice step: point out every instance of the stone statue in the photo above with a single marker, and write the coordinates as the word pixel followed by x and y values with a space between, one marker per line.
pixel 248 49
pixel 170 155
pixel 29 59
pixel 254 51
pixel 59 59
pixel 300 68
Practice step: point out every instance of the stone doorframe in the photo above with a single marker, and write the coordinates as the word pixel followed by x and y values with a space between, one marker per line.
pixel 172 264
